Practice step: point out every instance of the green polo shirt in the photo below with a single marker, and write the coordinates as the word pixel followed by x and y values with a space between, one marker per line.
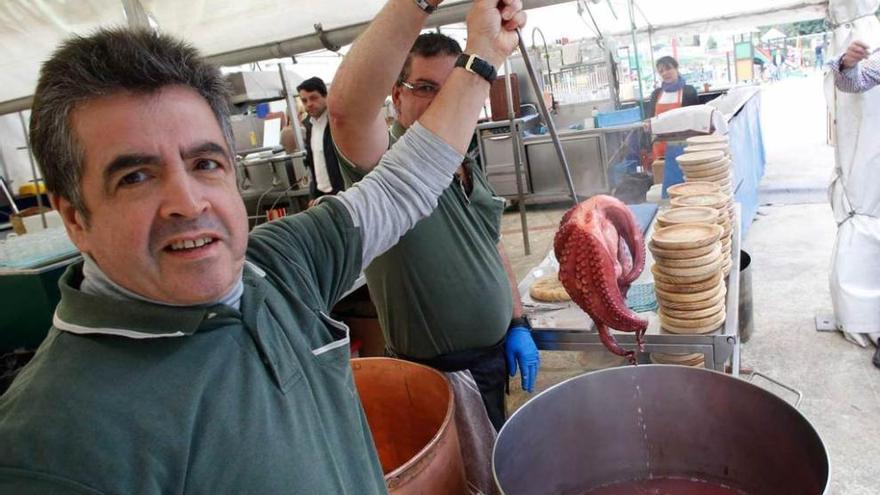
pixel 443 287
pixel 127 397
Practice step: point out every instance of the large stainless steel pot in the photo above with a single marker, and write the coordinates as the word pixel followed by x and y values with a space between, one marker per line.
pixel 633 422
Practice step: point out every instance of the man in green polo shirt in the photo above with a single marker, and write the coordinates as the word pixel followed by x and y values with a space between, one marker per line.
pixel 445 294
pixel 187 356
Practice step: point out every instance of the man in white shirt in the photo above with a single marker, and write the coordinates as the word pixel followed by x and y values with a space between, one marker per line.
pixel 320 152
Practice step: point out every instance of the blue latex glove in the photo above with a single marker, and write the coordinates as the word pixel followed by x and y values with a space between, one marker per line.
pixel 520 349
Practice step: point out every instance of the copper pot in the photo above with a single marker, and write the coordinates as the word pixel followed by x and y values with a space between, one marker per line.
pixel 410 410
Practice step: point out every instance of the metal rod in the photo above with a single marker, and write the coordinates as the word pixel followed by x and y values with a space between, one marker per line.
pixel 517 159
pixel 546 116
pixel 27 143
pixel 632 20
pixel 291 110
pixel 8 195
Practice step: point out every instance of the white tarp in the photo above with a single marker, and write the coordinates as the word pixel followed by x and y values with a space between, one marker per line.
pixel 855 187
pixel 30 29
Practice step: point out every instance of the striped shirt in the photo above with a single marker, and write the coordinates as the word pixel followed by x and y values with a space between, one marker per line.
pixel 859 78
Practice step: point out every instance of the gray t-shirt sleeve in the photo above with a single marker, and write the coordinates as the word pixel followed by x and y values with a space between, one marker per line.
pixel 401 190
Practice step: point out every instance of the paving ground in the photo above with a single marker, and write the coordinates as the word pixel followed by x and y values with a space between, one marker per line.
pixel 790 243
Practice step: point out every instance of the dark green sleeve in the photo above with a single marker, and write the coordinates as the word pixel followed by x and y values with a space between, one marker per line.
pixel 350 173
pixel 318 250
pixel 26 482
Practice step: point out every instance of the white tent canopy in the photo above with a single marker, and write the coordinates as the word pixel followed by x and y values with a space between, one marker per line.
pixel 29 30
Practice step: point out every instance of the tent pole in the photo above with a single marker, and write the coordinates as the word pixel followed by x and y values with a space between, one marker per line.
pixel 632 21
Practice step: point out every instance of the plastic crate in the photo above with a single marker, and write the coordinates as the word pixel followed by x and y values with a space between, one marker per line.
pixel 619 117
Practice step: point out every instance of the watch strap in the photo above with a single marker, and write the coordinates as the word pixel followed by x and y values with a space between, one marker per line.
pixel 475 64
pixel 425 6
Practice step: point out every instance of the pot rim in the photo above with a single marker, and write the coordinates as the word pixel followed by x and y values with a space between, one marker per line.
pixel 617 369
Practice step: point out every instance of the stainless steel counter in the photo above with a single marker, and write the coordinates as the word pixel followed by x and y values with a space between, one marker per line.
pixel 570 329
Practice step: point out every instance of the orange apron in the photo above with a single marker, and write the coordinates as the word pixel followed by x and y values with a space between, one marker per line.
pixel 660 147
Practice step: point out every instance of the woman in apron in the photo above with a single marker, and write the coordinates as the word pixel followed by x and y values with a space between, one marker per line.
pixel 672 93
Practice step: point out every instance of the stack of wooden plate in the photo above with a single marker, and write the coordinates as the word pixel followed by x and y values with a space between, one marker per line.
pixel 692 359
pixel 707 166
pixel 711 144
pixel 688 279
pixel 722 204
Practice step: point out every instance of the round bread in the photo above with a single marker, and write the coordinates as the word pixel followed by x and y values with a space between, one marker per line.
pixel 707 139
pixel 686 236
pixel 695 187
pixel 699 157
pixel 703 325
pixel 549 289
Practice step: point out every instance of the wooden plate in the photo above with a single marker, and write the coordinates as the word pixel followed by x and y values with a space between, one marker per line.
pixel 548 289
pixel 714 176
pixel 699 157
pixel 693 148
pixel 696 305
pixel 722 164
pixel 689 262
pixel 712 200
pixel 695 271
pixel 675 297
pixel 694 360
pixel 662 277
pixel 695 187
pixel 706 325
pixel 693 314
pixel 679 254
pixel 691 288
pixel 707 139
pixel 686 235
pixel 689 214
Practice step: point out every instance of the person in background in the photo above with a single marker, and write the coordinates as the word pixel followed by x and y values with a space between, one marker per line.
pixel 672 93
pixel 320 152
pixel 188 355
pixel 857 71
pixel 446 295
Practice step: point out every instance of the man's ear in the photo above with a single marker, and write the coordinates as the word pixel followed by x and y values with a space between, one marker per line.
pixel 395 97
pixel 74 221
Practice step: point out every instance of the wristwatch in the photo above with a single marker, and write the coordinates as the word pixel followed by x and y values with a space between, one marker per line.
pixel 424 5
pixel 475 64
pixel 522 321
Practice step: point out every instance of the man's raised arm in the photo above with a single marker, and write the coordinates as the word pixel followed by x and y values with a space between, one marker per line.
pixel 391 199
pixel 365 78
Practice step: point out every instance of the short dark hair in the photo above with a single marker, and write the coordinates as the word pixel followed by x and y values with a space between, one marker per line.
pixel 429 45
pixel 109 61
pixel 667 61
pixel 313 84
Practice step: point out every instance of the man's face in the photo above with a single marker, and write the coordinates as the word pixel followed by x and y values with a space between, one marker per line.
pixel 314 103
pixel 424 71
pixel 166 220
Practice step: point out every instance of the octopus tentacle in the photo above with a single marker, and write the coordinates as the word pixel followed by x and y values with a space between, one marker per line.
pixel 589 248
